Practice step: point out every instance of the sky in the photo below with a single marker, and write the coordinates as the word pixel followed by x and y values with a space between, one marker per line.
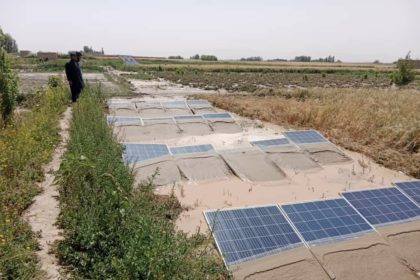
pixel 351 30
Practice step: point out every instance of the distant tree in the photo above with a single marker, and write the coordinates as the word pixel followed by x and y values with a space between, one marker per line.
pixel 302 58
pixel 90 50
pixel 277 59
pixel 252 58
pixel 376 62
pixel 175 57
pixel 8 43
pixel 208 57
pixel 196 57
pixel 8 88
pixel 405 71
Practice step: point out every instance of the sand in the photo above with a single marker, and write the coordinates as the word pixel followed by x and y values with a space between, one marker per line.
pixel 195 128
pixel 325 153
pixel 222 126
pixel 293 161
pixel 202 167
pixel 366 257
pixel 292 264
pixel 165 172
pixel 252 165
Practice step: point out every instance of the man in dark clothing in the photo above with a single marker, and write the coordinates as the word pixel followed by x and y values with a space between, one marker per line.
pixel 74 75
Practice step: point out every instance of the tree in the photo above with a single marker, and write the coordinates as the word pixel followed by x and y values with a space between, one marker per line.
pixel 405 71
pixel 8 88
pixel 196 57
pixel 7 42
pixel 303 58
pixel 208 57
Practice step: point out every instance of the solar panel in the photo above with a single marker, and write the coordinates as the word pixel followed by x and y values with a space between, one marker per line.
pixel 383 205
pixel 141 152
pixel 173 103
pixel 411 189
pixel 114 119
pixel 248 233
pixel 191 149
pixel 218 116
pixel 326 220
pixel 305 136
pixel 271 142
pixel 190 117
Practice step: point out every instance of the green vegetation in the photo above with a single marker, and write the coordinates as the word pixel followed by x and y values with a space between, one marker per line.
pixel 8 88
pixel 7 42
pixel 113 231
pixel 25 145
pixel 405 73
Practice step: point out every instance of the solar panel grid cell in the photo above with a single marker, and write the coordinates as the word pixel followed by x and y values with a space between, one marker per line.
pixel 305 136
pixel 271 142
pixel 218 116
pixel 326 220
pixel 247 233
pixel 383 205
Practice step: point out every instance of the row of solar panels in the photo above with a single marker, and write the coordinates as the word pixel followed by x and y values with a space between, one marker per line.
pixel 136 152
pixel 243 234
pixel 136 104
pixel 128 59
pixel 210 116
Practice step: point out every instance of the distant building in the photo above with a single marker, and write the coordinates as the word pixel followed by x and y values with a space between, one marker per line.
pixel 24 53
pixel 48 55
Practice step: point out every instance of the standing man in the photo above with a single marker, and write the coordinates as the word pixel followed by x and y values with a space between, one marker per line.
pixel 74 75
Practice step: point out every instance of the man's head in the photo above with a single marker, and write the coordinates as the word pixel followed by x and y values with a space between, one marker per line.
pixel 72 55
pixel 78 56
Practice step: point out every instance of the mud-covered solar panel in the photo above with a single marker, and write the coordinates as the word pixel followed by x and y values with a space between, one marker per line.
pixel 411 189
pixel 141 152
pixel 383 205
pixel 114 119
pixel 174 103
pixel 218 116
pixel 192 149
pixel 326 220
pixel 305 136
pixel 271 142
pixel 248 233
pixel 198 102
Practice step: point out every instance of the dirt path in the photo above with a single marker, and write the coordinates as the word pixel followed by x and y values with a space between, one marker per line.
pixel 43 213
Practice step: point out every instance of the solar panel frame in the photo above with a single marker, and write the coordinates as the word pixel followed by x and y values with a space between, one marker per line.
pixel 281 224
pixel 375 214
pixel 138 152
pixel 342 223
pixel 411 189
pixel 305 136
pixel 271 142
pixel 174 103
pixel 188 117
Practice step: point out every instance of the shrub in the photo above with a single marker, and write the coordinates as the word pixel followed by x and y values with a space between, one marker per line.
pixel 405 72
pixel 55 81
pixel 208 57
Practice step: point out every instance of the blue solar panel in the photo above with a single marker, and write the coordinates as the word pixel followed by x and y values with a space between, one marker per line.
pixel 218 116
pixel 248 233
pixel 305 136
pixel 411 188
pixel 383 206
pixel 114 119
pixel 326 220
pixel 191 117
pixel 271 142
pixel 191 149
pixel 141 152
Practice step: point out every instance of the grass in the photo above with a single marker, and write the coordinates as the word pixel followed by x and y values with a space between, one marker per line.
pixel 382 124
pixel 113 230
pixel 25 145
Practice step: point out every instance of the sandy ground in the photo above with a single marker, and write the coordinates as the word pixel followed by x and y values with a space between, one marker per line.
pixel 43 213
pixel 324 175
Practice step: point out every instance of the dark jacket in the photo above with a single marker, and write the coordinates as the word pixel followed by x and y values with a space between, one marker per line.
pixel 74 74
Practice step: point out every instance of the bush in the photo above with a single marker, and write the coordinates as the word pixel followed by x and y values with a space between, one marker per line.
pixel 405 73
pixel 8 88
pixel 208 57
pixel 55 81
pixel 111 230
